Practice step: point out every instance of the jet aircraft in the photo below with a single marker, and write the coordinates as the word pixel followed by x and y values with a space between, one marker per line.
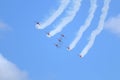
pixel 68 48
pixel 59 40
pixel 57 45
pixel 48 34
pixel 38 23
pixel 62 35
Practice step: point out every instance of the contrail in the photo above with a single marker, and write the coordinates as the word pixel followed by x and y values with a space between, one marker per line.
pixel 57 13
pixel 98 29
pixel 86 25
pixel 70 16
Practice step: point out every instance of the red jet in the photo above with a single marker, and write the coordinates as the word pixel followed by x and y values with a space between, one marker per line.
pixel 80 56
pixel 68 48
pixel 48 34
pixel 59 40
pixel 56 45
pixel 62 35
pixel 38 23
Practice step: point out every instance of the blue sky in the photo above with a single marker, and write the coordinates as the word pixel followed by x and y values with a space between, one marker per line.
pixel 31 55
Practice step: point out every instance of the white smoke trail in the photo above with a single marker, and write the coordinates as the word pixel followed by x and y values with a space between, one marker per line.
pixel 99 28
pixel 70 16
pixel 57 13
pixel 86 25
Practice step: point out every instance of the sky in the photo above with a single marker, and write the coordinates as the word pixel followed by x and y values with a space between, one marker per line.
pixel 91 31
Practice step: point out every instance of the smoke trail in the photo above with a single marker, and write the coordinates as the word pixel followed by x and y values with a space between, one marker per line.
pixel 57 13
pixel 70 16
pixel 86 25
pixel 99 28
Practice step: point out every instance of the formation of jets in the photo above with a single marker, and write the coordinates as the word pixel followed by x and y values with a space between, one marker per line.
pixel 59 39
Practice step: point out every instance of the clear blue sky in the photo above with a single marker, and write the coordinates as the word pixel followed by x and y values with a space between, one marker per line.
pixel 31 50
